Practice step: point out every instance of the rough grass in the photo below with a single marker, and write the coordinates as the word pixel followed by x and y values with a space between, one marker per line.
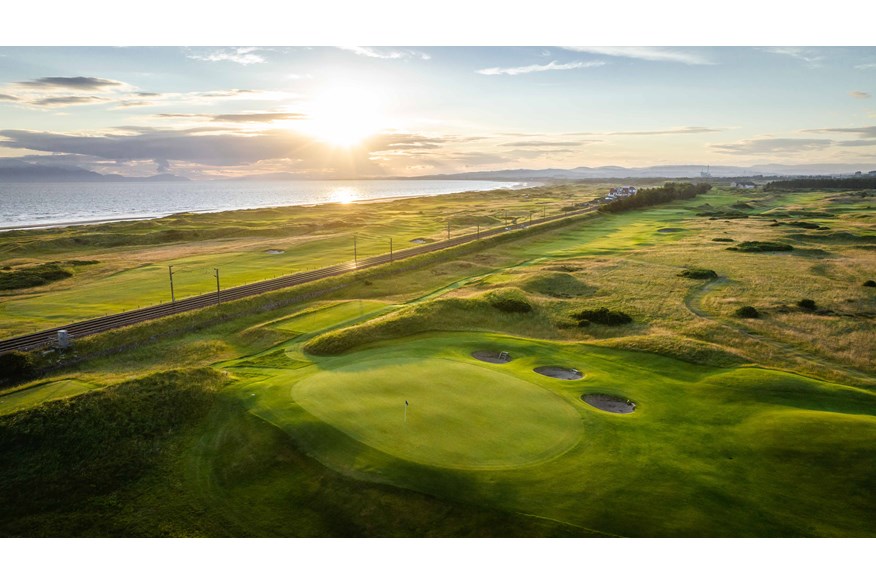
pixel 89 445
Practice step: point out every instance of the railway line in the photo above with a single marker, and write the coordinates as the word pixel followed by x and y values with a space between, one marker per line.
pixel 48 337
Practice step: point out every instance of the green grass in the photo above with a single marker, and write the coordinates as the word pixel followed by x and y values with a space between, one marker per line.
pixel 703 455
pixel 461 415
pixel 728 438
pixel 42 391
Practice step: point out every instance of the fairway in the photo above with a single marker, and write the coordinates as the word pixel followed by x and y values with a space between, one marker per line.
pixel 460 415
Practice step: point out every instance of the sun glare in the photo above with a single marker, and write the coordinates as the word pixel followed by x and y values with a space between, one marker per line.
pixel 345 116
pixel 344 195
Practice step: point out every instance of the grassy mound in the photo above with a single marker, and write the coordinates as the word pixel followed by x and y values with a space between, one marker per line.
pixel 39 275
pixel 556 284
pixel 509 300
pixel 761 246
pixel 699 274
pixel 84 446
pixel 444 314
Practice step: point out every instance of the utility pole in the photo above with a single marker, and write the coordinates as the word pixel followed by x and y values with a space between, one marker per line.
pixel 543 210
pixel 479 232
pixel 355 252
pixel 390 249
pixel 170 273
pixel 216 275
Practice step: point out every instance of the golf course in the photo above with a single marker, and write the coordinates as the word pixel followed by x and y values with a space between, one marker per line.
pixel 592 377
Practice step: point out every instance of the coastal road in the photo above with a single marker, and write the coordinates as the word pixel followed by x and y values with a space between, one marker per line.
pixel 49 337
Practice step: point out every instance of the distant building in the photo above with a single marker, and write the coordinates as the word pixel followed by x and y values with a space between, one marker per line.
pixel 621 192
pixel 743 184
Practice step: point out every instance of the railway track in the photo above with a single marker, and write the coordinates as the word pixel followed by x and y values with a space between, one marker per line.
pixel 48 337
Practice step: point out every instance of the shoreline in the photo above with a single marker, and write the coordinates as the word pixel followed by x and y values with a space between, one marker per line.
pixel 75 223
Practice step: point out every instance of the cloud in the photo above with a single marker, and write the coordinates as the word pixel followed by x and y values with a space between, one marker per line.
pixel 866 66
pixel 684 130
pixel 860 94
pixel 210 147
pixel 773 146
pixel 257 117
pixel 133 103
pixel 538 144
pixel 68 100
pixel 855 143
pixel 863 131
pixel 248 118
pixel 524 153
pixel 80 83
pixel 240 55
pixel 552 66
pixel 386 53
pixel 147 94
pixel 4 97
pixel 808 56
pixel 647 54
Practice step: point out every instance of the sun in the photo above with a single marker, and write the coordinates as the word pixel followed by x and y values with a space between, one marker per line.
pixel 344 116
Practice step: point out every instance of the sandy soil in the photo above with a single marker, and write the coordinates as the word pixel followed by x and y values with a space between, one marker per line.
pixel 609 403
pixel 490 357
pixel 559 372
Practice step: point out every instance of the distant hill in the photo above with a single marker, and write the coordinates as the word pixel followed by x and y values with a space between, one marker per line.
pixel 26 172
pixel 665 171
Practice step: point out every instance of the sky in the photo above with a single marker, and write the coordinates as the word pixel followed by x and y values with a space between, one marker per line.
pixel 367 111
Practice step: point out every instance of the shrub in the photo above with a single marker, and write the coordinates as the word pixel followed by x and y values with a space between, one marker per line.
pixel 870 284
pixel 32 276
pixel 699 274
pixel 761 246
pixel 747 312
pixel 807 304
pixel 16 366
pixel 723 239
pixel 602 316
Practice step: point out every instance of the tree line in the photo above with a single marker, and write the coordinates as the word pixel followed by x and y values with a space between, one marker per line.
pixel 670 191
pixel 822 183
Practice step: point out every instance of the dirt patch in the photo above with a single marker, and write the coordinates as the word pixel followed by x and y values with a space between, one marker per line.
pixel 559 372
pixel 420 240
pixel 609 403
pixel 500 357
pixel 274 251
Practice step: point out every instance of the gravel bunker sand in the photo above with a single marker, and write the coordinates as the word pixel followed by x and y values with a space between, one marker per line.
pixel 609 403
pixel 274 251
pixel 559 372
pixel 500 357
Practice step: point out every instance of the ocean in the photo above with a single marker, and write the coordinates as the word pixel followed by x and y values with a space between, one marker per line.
pixel 34 205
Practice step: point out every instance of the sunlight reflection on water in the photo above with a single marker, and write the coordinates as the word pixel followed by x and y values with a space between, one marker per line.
pixel 344 195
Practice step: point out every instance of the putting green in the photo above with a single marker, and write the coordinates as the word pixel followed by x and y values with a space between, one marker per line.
pixel 460 415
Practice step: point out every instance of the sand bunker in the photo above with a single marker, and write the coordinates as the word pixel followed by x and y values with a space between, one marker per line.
pixel 559 372
pixel 499 357
pixel 419 240
pixel 274 251
pixel 609 403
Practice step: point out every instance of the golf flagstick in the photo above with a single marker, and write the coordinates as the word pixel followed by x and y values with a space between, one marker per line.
pixel 406 411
